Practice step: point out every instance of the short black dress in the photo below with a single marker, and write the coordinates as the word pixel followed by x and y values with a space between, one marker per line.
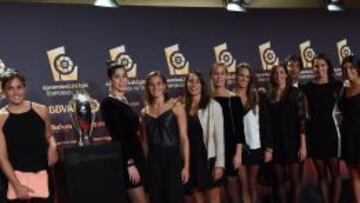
pixel 350 128
pixel 322 133
pixel 233 114
pixel 200 167
pixel 164 161
pixel 288 123
pixel 123 124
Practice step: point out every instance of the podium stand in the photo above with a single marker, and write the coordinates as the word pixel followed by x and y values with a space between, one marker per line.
pixel 91 174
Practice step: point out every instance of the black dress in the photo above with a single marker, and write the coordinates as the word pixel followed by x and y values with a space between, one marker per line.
pixel 123 124
pixel 233 113
pixel 200 167
pixel 26 144
pixel 164 161
pixel 288 123
pixel 321 129
pixel 350 130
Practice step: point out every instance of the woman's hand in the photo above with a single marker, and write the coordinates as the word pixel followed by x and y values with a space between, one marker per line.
pixel 185 175
pixel 134 175
pixel 217 173
pixel 23 192
pixel 302 153
pixel 237 160
pixel 268 155
pixel 52 154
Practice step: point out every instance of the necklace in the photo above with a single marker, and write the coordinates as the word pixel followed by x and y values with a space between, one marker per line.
pixel 120 98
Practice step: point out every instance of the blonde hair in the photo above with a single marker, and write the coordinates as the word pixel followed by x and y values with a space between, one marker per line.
pixel 212 69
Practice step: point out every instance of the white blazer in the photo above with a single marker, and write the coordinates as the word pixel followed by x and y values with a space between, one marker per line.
pixel 212 123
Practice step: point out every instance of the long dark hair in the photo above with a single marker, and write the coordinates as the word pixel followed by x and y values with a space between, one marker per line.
pixel 205 93
pixel 250 89
pixel 330 71
pixel 355 61
pixel 148 98
pixel 274 85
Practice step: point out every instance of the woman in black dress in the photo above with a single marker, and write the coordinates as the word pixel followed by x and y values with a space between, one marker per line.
pixel 288 114
pixel 166 142
pixel 349 105
pixel 123 124
pixel 257 127
pixel 322 93
pixel 206 136
pixel 27 145
pixel 233 128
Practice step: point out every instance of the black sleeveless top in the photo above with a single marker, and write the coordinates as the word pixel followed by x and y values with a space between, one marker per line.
pixel 162 131
pixel 25 141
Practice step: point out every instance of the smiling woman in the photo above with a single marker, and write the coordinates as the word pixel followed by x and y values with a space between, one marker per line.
pixel 19 159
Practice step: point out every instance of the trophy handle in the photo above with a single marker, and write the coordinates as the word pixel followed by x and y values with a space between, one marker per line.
pixel 73 120
pixel 94 108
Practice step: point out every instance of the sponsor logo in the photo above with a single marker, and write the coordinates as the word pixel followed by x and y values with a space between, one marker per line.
pixel 343 50
pixel 307 53
pixel 62 66
pixel 268 56
pixel 119 55
pixel 223 55
pixel 177 63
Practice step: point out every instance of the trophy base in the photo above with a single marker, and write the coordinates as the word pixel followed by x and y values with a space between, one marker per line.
pixel 84 141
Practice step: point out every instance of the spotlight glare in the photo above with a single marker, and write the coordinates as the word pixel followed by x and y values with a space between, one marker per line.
pixel 106 3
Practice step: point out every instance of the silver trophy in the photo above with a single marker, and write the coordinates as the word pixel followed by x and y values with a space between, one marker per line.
pixel 83 116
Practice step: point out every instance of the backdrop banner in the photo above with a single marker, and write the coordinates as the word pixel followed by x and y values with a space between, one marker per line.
pixel 63 48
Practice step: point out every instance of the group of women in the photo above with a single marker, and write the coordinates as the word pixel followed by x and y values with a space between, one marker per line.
pixel 212 138
pixel 215 137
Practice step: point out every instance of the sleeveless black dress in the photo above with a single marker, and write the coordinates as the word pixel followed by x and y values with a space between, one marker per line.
pixel 26 143
pixel 322 133
pixel 164 161
pixel 350 130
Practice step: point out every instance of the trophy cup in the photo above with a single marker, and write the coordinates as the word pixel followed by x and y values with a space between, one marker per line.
pixel 83 116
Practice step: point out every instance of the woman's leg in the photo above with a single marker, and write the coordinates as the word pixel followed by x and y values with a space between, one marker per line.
pixel 137 195
pixel 233 189
pixel 253 172
pixel 334 166
pixel 321 169
pixel 294 170
pixel 243 177
pixel 213 195
pixel 280 188
pixel 354 171
pixel 198 196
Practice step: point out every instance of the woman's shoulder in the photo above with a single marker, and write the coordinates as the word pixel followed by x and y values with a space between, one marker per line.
pixel 214 104
pixel 40 109
pixel 4 114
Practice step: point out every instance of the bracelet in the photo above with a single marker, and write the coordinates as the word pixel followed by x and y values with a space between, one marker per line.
pixel 130 162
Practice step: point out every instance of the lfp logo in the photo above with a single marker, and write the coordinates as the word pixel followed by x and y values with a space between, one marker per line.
pixel 223 55
pixel 268 56
pixel 62 66
pixel 120 57
pixel 177 63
